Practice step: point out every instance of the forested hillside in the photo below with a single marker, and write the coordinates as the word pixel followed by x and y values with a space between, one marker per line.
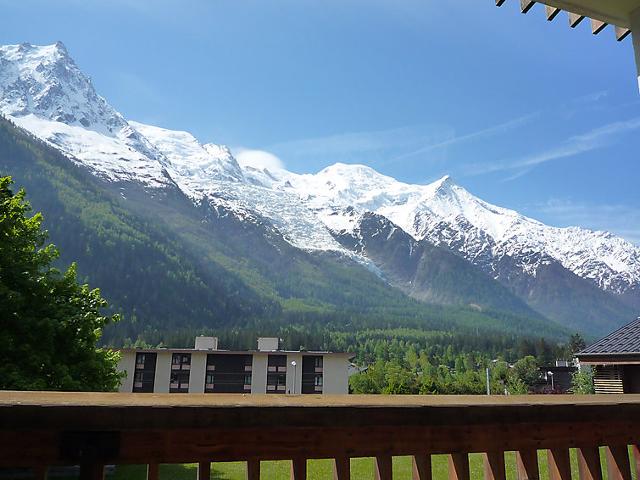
pixel 169 266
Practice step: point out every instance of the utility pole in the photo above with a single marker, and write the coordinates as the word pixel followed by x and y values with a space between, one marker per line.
pixel 488 383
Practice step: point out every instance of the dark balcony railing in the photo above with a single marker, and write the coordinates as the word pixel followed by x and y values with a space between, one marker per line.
pixel 38 430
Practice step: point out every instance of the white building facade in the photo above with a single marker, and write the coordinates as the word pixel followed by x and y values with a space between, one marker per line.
pixel 207 369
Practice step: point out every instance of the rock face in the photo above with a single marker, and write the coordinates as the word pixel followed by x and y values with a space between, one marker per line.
pixel 422 238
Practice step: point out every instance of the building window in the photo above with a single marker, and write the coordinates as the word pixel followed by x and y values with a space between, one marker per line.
pixel 180 370
pixel 277 374
pixel 312 373
pixel 145 372
pixel 228 373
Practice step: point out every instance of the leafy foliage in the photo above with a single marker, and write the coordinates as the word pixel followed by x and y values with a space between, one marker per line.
pixel 582 382
pixel 50 323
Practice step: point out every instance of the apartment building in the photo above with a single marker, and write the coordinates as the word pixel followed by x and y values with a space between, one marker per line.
pixel 208 369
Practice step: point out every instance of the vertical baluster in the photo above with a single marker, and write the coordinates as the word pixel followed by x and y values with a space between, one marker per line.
pixel 422 467
pixel 384 467
pixel 527 463
pixel 299 469
pixel 253 469
pixel 204 470
pixel 91 471
pixel 636 458
pixel 559 464
pixel 494 468
pixel 342 468
pixel 40 472
pixel 153 471
pixel 618 466
pixel 459 466
pixel 589 463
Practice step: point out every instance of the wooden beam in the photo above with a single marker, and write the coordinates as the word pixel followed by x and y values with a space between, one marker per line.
pixel 299 469
pixel 342 468
pixel 422 467
pixel 559 464
pixel 459 466
pixel 494 468
pixel 597 26
pixel 153 471
pixel 525 5
pixel 527 464
pixel 589 465
pixel 618 466
pixel 253 469
pixel 204 470
pixel 622 33
pixel 384 467
pixel 552 12
pixel 575 19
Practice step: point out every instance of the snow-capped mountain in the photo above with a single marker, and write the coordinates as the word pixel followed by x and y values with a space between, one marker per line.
pixel 43 91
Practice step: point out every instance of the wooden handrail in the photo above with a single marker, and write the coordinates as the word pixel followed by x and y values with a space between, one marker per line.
pixel 44 429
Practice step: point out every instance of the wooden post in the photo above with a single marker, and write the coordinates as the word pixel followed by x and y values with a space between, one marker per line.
pixel 527 465
pixel 559 464
pixel 153 471
pixel 384 467
pixel 299 469
pixel 589 463
pixel 618 466
pixel 494 468
pixel 342 468
pixel 40 472
pixel 91 471
pixel 459 466
pixel 204 470
pixel 422 467
pixel 253 469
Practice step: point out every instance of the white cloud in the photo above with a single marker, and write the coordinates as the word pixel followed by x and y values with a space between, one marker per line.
pixel 258 159
pixel 594 139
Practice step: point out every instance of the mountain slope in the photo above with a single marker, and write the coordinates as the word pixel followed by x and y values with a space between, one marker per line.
pixel 167 264
pixel 289 237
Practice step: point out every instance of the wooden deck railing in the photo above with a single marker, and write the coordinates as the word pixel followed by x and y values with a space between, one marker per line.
pixel 38 430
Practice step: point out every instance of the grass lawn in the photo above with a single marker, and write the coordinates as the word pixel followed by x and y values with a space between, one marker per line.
pixel 361 469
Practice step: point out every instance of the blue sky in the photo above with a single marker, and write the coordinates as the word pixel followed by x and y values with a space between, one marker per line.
pixel 524 113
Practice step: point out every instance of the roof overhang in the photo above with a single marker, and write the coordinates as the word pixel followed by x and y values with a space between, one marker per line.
pixel 624 15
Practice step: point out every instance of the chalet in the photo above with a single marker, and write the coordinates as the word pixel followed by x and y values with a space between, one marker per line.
pixel 615 360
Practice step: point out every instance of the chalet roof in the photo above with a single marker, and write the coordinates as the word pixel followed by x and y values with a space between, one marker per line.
pixel 624 341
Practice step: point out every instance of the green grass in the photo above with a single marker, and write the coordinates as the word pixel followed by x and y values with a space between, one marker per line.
pixel 361 469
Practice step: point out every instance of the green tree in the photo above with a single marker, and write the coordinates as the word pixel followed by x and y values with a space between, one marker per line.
pixel 50 323
pixel 582 382
pixel 523 375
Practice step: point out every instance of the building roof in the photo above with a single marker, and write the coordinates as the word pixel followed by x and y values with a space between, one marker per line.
pixel 232 352
pixel 624 341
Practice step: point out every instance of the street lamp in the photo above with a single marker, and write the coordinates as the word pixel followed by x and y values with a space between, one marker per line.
pixel 550 374
pixel 294 364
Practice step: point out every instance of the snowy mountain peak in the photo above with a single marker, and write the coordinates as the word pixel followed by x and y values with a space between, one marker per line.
pixel 45 81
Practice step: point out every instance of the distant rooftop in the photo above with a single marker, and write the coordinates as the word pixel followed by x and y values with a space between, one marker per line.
pixel 624 341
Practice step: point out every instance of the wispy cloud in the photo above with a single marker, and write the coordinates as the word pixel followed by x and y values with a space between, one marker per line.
pixel 620 219
pixel 592 140
pixel 367 146
pixel 457 139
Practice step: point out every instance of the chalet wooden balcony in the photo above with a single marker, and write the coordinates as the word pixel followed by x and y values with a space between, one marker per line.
pixel 38 430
